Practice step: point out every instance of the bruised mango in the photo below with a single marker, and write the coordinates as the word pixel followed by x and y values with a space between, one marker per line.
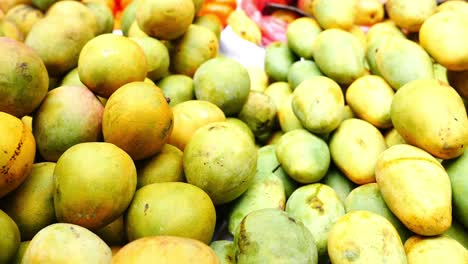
pixel 224 249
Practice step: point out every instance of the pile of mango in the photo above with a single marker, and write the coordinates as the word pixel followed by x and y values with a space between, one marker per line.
pixel 348 147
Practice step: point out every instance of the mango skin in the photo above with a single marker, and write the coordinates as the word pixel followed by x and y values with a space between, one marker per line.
pixel 402 167
pixel 364 237
pixel 279 92
pixel 456 169
pixel 113 234
pixel 81 174
pixel 259 113
pixel 339 55
pixel 368 197
pixel 24 78
pixel 338 182
pixel 10 239
pixel 288 121
pixel 401 61
pixel 67 116
pixel 335 13
pixel 157 57
pixel 206 162
pixel 24 16
pixel 31 205
pixel 20 253
pixel 410 15
pixel 178 87
pixel 271 235
pixel 431 115
pixel 301 35
pixel 77 245
pixel 355 148
pixel 304 156
pixel 302 70
pixel 17 157
pixel 437 249
pixel 318 206
pixel 458 232
pixel 225 251
pixel 278 59
pixel 393 138
pixel 166 249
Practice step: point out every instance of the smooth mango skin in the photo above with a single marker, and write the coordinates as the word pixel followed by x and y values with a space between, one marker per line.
pixel 178 87
pixel 401 61
pixel 445 37
pixel 453 5
pixel 410 15
pixel 340 55
pixel 458 232
pixel 113 234
pixel 367 197
pixel 318 206
pixel 165 249
pixel 104 16
pixel 31 205
pixel 364 237
pixel 18 152
pixel 278 59
pixel 74 9
pixel 338 182
pixel 189 116
pixel 288 121
pixel 135 31
pixel 383 28
pixel 355 148
pixel 319 104
pixel 301 35
pixel 67 243
pixel 166 166
pixel 302 70
pixel 157 57
pixel 225 251
pixel 402 167
pixel 432 250
pixel 279 92
pixel 393 138
pixel 242 126
pixel 335 13
pixel 264 192
pixel 221 160
pixel 67 116
pixel 20 253
pixel 456 169
pixel 10 239
pixel 259 113
pixel 431 115
pixel 94 184
pixel 24 16
pixel 369 12
pixel 72 78
pixel 195 47
pixel 128 16
pixel 171 209
pixel 258 78
pixel 370 98
pixel 273 236
pixel 304 156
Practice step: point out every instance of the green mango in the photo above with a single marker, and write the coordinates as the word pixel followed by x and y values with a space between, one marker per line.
pixel 10 238
pixel 20 253
pixel 114 234
pixel 177 87
pixel 287 119
pixel 458 232
pixel 302 70
pixel 456 170
pixel 225 251
pixel 128 16
pixel 301 35
pixel 272 236
pixel 278 59
pixel 259 113
pixel 338 182
pixel 340 55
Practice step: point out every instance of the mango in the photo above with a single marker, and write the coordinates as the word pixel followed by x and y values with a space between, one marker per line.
pixel 10 30
pixel 288 121
pixel 278 92
pixel 157 57
pixel 151 212
pixel 258 78
pixel 41 4
pixel 339 55
pixel 20 253
pixel 431 115
pixel 31 205
pixel 166 249
pixel 137 119
pixel 8 4
pixel 193 49
pixel 70 9
pixel 94 184
pixel 278 59
pixel 301 35
pixel 369 12
pixel 402 167
pixel 264 192
pixel 24 16
pixel 189 116
pixel 221 160
pixel 104 16
pixel 224 82
pixel 348 113
pixel 410 15
pixel 211 22
pixel 242 126
pixel 68 115
pixel 10 239
pixel 301 71
pixel 370 98
pixel 458 232
pixel 435 250
pixel 17 155
pixel 335 13
pixel 364 237
pixel 456 170
pixel 25 80
pixel 272 236
pixel 445 37
pixel 318 207
pixel 224 249
pixel 114 233
pixel 72 78
pixel 304 156
pixel 393 138
pixel 135 31
pixel 76 244
pixel 401 61
pixel 177 87
pixel 338 182
pixel 259 113
pixel 128 16
pixel 319 104
pixel 453 5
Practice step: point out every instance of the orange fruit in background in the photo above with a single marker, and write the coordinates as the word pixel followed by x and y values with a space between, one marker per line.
pixel 222 11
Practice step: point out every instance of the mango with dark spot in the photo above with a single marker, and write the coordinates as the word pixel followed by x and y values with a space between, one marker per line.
pixel 77 245
pixel 17 152
pixel 10 238
pixel 318 206
pixel 272 236
pixel 225 251
pixel 365 237
pixel 431 115
pixel 94 184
